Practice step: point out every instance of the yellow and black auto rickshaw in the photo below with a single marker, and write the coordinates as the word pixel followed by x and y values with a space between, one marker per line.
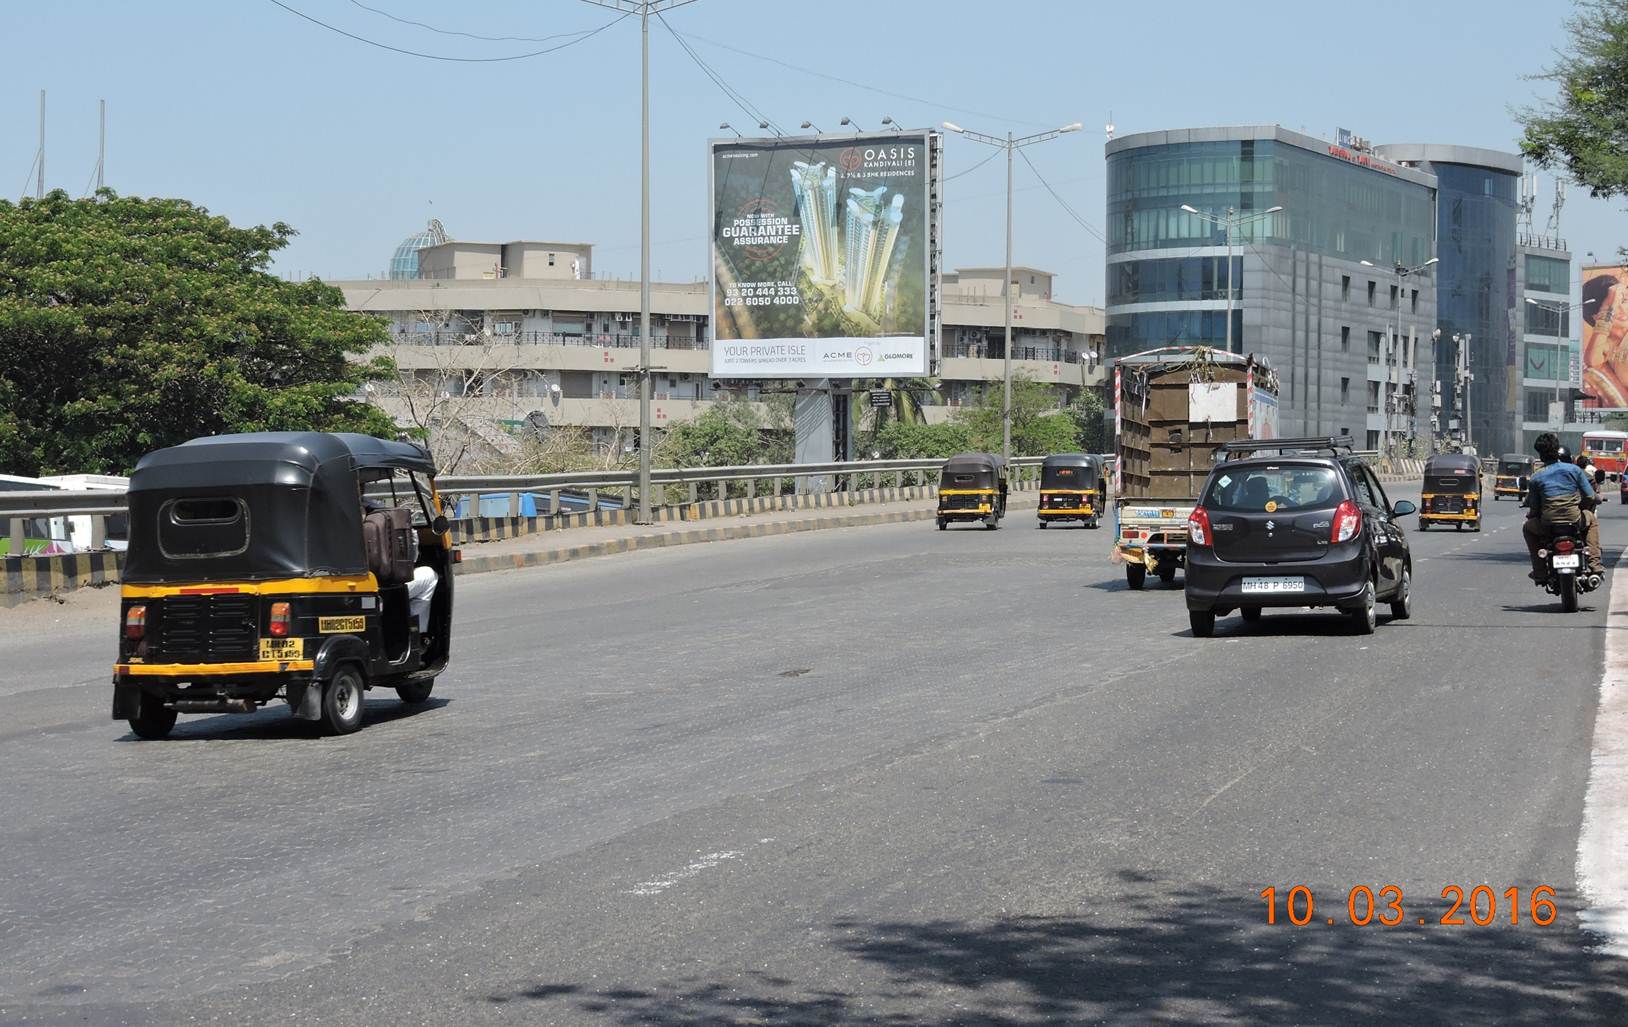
pixel 1452 492
pixel 972 487
pixel 257 570
pixel 1071 489
pixel 1510 479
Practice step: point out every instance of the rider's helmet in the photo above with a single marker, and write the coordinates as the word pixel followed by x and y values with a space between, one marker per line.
pixel 1563 455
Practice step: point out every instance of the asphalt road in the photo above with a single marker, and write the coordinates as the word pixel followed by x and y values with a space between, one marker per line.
pixel 877 776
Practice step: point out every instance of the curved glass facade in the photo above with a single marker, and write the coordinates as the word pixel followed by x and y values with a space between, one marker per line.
pixel 1329 206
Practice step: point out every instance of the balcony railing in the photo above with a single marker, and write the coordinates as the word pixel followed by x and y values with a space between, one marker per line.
pixel 604 340
pixel 984 351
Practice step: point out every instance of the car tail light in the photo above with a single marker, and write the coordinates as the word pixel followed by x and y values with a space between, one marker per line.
pixel 135 622
pixel 282 618
pixel 1198 526
pixel 1347 522
pixel 1565 545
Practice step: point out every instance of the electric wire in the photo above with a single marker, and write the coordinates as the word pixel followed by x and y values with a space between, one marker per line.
pixel 747 107
pixel 589 33
pixel 29 177
pixel 469 35
pixel 1060 201
pixel 861 85
pixel 992 155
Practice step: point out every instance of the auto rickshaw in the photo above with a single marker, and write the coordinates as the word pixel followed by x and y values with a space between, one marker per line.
pixel 1510 478
pixel 972 487
pixel 1452 492
pixel 1071 489
pixel 255 573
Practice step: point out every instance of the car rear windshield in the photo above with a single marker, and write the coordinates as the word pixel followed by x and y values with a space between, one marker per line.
pixel 1283 486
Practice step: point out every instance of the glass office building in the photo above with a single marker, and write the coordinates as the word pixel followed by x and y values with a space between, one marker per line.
pixel 1477 292
pixel 1350 341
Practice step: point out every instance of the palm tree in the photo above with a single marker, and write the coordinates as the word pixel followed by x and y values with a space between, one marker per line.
pixel 906 398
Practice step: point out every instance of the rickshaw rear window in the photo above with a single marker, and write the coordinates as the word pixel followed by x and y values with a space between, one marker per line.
pixel 966 479
pixel 203 528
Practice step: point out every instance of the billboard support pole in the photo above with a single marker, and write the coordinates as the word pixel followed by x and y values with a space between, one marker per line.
pixel 1006 373
pixel 644 269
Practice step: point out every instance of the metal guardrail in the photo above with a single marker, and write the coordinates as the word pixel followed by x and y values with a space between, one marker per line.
pixel 17 507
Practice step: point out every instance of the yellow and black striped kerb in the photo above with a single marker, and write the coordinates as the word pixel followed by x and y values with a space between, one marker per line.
pixel 29 576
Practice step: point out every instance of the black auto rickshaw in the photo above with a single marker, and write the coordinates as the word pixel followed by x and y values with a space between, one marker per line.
pixel 1071 489
pixel 1452 492
pixel 1510 478
pixel 972 487
pixel 255 573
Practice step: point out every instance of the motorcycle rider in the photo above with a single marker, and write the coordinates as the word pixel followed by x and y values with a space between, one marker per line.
pixel 1559 493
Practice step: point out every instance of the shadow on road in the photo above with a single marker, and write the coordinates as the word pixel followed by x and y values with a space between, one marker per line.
pixel 274 722
pixel 1182 955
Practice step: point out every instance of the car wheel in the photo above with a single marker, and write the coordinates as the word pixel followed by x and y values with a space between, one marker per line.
pixel 1202 621
pixel 1402 605
pixel 342 701
pixel 1365 617
pixel 152 720
pixel 1135 575
pixel 1250 614
pixel 416 692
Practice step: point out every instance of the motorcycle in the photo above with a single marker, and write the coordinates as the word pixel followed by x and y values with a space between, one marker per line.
pixel 1566 557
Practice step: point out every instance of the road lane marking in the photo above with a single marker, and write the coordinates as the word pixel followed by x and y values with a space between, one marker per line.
pixel 1602 847
pixel 689 870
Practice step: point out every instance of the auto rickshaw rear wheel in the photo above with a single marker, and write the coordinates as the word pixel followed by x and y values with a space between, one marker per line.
pixel 1042 524
pixel 342 701
pixel 153 720
pixel 415 691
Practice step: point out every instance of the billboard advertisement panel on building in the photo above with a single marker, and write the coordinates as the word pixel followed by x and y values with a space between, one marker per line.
pixel 1605 323
pixel 822 259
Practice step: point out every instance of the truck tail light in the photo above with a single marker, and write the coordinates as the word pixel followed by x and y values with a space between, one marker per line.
pixel 282 618
pixel 135 623
pixel 1347 522
pixel 1198 527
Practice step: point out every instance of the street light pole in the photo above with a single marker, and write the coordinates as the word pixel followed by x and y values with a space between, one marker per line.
pixel 1228 223
pixel 644 9
pixel 1011 145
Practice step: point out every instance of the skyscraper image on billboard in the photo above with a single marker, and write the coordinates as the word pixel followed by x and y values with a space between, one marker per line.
pixel 820 255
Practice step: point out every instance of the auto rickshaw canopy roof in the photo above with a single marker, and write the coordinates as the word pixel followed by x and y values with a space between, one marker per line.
pixel 1514 462
pixel 984 467
pixel 1451 464
pixel 257 506
pixel 1060 470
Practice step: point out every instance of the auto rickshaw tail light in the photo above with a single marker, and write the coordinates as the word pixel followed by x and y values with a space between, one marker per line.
pixel 1347 522
pixel 135 623
pixel 282 619
pixel 1198 527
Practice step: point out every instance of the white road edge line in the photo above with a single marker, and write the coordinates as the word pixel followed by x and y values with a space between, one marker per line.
pixel 1602 847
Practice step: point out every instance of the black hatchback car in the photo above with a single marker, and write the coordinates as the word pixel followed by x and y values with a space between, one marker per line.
pixel 1305 525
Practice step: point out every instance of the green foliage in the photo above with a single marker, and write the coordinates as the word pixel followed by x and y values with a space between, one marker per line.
pixel 1037 427
pixel 899 440
pixel 1583 131
pixel 728 434
pixel 1091 429
pixel 129 324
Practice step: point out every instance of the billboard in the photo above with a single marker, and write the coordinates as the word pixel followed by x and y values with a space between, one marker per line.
pixel 1605 323
pixel 824 259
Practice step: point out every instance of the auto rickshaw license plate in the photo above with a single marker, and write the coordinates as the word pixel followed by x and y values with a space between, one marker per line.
pixel 282 648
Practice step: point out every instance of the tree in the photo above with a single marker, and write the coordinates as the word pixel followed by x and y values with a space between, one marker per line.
pixel 128 324
pixel 1031 401
pixel 730 433
pixel 1088 412
pixel 1583 131
pixel 900 440
pixel 447 393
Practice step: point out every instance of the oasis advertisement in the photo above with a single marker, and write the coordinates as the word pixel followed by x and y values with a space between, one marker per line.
pixel 820 257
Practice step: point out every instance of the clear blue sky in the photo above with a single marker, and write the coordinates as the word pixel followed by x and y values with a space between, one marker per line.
pixel 262 116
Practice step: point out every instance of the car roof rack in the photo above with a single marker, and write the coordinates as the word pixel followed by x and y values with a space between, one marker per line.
pixel 1338 445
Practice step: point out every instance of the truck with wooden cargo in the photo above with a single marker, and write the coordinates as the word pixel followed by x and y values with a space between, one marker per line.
pixel 1174 407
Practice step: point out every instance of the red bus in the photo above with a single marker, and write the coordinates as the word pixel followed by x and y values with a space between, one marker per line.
pixel 1605 448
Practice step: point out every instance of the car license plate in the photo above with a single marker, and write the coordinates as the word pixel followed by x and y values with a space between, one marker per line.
pixel 1569 560
pixel 282 648
pixel 1256 585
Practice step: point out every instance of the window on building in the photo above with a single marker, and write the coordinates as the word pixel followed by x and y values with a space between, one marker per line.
pixel 1373 397
pixel 1375 342
pixel 1537 405
pixel 1345 338
pixel 551 260
pixel 1548 274
pixel 1345 288
pixel 1373 290
pixel 1413 300
pixel 1394 291
pixel 1345 390
pixel 1373 440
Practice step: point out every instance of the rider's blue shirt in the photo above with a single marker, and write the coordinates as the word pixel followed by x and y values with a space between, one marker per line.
pixel 1558 479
